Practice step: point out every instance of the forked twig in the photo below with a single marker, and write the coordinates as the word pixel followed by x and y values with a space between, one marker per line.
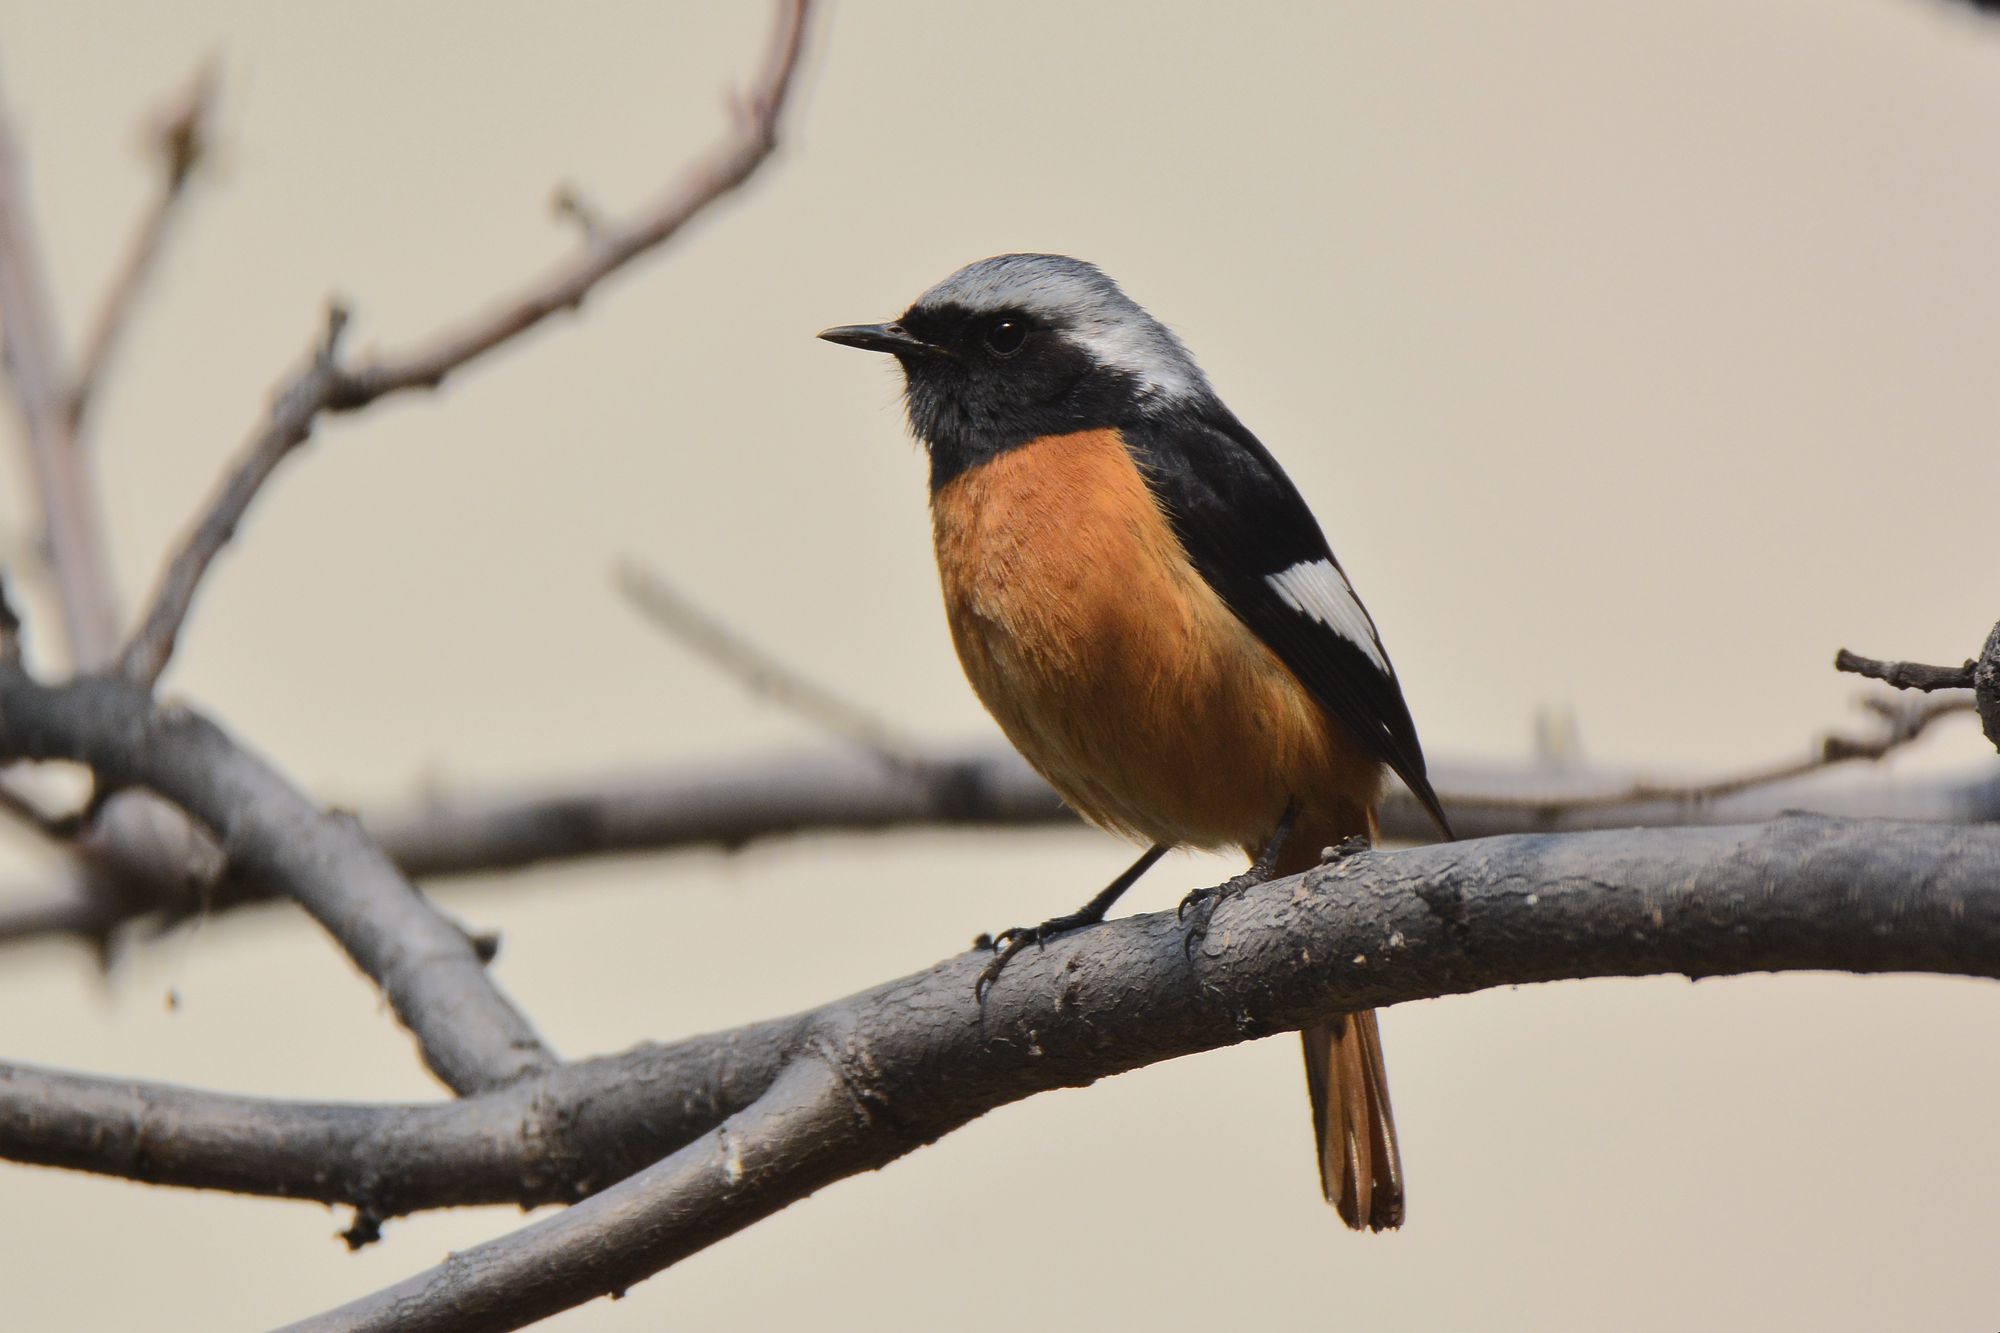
pixel 326 386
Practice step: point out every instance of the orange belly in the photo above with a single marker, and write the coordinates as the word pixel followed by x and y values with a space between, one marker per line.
pixel 1113 666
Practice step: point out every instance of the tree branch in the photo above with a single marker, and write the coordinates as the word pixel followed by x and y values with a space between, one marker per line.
pixel 1902 724
pixel 1979 674
pixel 611 245
pixel 796 1138
pixel 470 1035
pixel 915 1058
pixel 552 1137
pixel 180 138
pixel 758 671
pixel 291 420
pixel 1905 675
pixel 810 791
pixel 325 386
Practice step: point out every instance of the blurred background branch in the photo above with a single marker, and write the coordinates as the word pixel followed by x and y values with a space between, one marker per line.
pixel 443 834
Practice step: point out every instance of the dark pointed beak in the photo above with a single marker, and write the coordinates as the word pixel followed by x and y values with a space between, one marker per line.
pixel 880 338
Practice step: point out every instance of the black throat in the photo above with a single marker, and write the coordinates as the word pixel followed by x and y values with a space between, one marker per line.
pixel 968 407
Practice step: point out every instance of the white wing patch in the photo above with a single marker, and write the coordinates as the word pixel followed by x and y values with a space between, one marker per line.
pixel 1316 588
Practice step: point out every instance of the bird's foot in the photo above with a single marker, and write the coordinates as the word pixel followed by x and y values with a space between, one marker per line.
pixel 1015 938
pixel 1196 909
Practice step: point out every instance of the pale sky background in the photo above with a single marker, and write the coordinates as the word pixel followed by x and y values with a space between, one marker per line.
pixel 1635 357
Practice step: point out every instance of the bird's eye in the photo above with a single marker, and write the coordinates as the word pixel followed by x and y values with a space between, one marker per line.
pixel 1006 337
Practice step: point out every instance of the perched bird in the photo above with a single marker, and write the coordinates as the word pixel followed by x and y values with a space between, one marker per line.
pixel 1145 604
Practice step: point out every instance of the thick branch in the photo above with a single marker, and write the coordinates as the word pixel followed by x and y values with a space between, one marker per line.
pixel 1986 686
pixel 471 1036
pixel 796 1138
pixel 552 1137
pixel 326 386
pixel 915 1060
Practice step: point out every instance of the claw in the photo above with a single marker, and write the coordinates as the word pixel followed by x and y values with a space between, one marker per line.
pixel 1004 946
pixel 1203 902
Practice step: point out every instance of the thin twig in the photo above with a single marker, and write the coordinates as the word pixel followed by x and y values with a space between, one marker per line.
pixel 1902 722
pixel 291 420
pixel 761 672
pixel 327 387
pixel 180 140
pixel 752 138
pixel 69 504
pixel 568 204
pixel 471 1036
pixel 1906 675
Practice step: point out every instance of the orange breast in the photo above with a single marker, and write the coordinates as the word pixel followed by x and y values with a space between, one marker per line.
pixel 1115 669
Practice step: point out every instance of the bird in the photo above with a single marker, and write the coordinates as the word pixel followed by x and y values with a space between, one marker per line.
pixel 1146 605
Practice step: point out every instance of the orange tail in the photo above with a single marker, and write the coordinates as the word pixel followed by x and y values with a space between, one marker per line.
pixel 1360 1168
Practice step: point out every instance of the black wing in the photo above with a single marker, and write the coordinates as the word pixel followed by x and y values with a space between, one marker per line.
pixel 1249 532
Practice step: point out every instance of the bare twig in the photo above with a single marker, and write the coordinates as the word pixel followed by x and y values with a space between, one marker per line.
pixel 180 139
pixel 70 508
pixel 1906 675
pixel 871 1078
pixel 1902 723
pixel 325 386
pixel 752 138
pixel 760 672
pixel 431 974
pixel 291 420
pixel 568 204
pixel 1979 674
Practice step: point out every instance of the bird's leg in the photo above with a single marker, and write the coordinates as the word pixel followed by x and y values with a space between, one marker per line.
pixel 1010 941
pixel 1199 906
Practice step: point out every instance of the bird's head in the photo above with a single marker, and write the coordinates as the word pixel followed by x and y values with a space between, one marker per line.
pixel 1016 347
